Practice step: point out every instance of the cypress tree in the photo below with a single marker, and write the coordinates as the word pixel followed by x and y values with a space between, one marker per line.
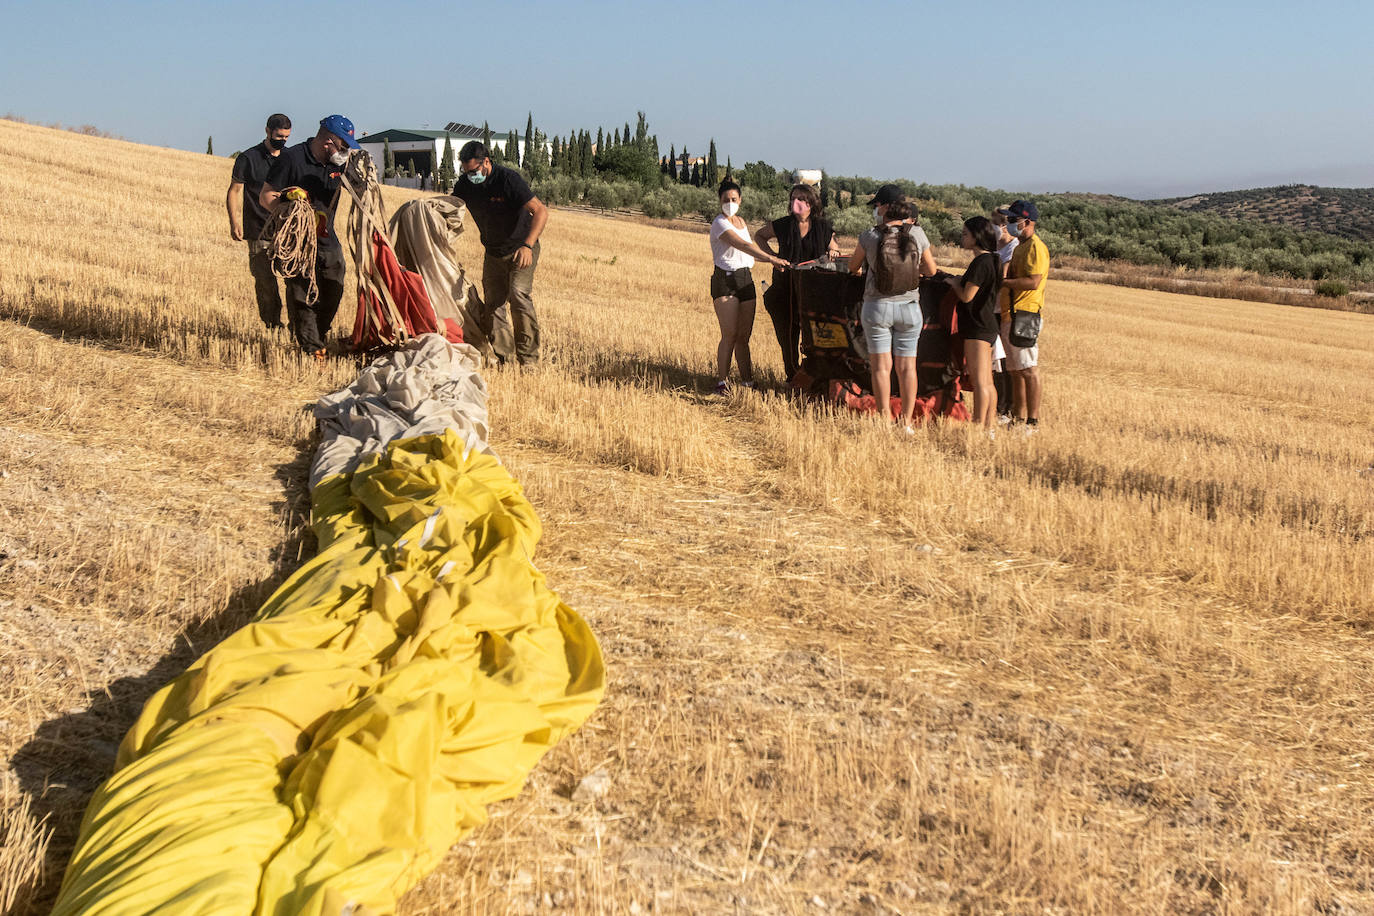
pixel 388 160
pixel 486 136
pixel 642 131
pixel 529 140
pixel 696 175
pixel 663 166
pixel 587 167
pixel 684 175
pixel 711 164
pixel 729 172
pixel 600 141
pixel 618 141
pixel 447 172
pixel 513 149
pixel 825 191
pixel 672 162
pixel 653 142
pixel 537 155
pixel 626 133
pixel 570 163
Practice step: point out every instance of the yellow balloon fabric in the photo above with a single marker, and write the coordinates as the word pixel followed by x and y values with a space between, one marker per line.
pixel 325 757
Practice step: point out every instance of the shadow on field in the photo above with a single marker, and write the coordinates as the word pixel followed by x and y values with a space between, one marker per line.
pixel 630 367
pixel 69 756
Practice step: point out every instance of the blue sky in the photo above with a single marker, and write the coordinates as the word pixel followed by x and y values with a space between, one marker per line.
pixel 1141 99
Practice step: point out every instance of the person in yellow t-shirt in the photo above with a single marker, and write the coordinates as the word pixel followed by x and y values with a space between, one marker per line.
pixel 1026 277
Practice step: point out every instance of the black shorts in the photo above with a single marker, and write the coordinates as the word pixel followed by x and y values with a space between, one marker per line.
pixel 738 283
pixel 980 324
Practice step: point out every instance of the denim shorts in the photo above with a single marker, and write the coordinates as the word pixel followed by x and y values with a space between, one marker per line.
pixel 892 325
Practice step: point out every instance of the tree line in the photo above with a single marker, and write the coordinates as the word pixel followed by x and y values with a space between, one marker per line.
pixel 626 168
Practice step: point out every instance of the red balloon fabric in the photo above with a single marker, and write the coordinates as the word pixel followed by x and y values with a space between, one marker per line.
pixel 407 290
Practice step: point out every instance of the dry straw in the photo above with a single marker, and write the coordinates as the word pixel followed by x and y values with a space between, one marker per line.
pixel 1120 667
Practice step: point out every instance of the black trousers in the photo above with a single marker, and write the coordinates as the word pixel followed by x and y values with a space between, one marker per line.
pixel 264 284
pixel 311 322
pixel 777 301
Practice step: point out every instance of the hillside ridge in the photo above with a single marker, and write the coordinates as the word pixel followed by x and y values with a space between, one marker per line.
pixel 1344 212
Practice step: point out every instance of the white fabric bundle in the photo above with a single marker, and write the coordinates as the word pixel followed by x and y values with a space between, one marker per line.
pixel 429 386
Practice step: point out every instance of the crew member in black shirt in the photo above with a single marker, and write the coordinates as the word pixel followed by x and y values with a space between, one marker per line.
pixel 314 166
pixel 802 235
pixel 510 219
pixel 246 215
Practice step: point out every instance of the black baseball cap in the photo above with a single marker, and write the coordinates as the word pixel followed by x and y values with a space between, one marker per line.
pixel 1023 209
pixel 887 194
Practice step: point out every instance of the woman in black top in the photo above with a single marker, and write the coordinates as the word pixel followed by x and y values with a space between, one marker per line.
pixel 802 235
pixel 977 292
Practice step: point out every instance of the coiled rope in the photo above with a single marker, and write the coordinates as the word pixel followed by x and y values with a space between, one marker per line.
pixel 290 234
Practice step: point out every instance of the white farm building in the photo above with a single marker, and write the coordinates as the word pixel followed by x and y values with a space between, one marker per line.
pixel 419 151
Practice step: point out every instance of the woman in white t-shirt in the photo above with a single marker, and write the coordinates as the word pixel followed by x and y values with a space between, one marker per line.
pixel 732 287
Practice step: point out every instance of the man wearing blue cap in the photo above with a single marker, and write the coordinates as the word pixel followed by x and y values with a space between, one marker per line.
pixel 314 167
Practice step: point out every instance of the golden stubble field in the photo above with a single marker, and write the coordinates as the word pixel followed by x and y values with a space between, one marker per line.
pixel 1124 666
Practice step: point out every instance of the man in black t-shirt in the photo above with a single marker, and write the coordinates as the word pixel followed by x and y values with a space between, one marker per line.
pixel 246 215
pixel 314 167
pixel 510 219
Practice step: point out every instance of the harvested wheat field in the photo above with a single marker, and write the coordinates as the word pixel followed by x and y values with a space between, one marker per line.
pixel 1123 666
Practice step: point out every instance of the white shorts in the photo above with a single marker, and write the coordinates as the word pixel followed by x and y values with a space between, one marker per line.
pixel 1018 357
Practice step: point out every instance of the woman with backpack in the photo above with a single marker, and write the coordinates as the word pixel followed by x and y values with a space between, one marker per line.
pixel 978 319
pixel 897 255
pixel 732 287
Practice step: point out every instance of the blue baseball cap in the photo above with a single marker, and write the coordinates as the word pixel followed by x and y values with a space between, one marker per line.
pixel 342 128
pixel 1023 209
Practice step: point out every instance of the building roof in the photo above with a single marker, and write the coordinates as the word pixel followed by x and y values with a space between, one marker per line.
pixel 471 132
pixel 412 134
pixel 401 135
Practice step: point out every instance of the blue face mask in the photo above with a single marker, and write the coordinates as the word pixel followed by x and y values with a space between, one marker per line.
pixel 476 177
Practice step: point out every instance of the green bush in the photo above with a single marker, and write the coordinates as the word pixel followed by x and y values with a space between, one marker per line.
pixel 560 190
pixel 757 206
pixel 629 193
pixel 629 163
pixel 1332 289
pixel 602 195
pixel 852 220
pixel 661 204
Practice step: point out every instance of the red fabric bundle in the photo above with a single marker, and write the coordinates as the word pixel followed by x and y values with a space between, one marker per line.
pixel 372 328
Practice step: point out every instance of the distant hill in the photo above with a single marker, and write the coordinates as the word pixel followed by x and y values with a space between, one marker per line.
pixel 1347 212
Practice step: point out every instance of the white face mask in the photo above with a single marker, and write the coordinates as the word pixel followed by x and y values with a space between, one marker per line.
pixel 877 215
pixel 729 208
pixel 339 158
